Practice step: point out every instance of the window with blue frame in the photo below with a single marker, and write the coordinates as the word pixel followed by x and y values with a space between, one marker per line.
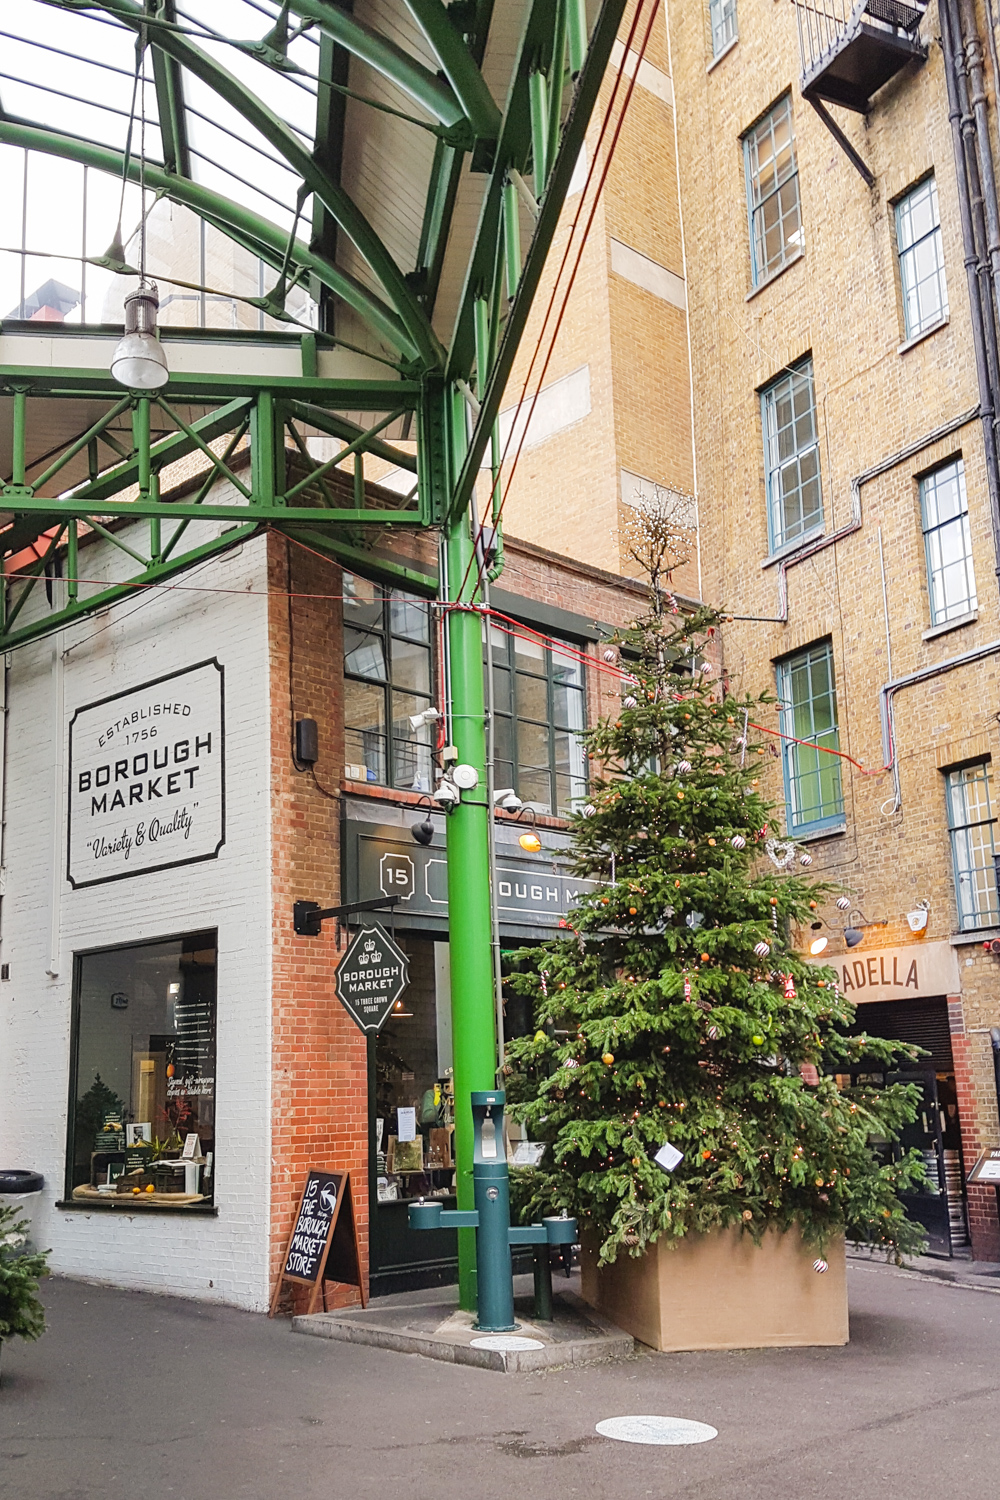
pixel 921 259
pixel 970 826
pixel 772 177
pixel 791 456
pixel 944 508
pixel 722 19
pixel 807 690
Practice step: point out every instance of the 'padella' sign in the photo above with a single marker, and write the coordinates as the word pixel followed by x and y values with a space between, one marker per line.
pixel 912 972
pixel 147 777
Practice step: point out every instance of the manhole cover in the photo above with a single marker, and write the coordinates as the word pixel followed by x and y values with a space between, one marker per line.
pixel 671 1431
pixel 506 1343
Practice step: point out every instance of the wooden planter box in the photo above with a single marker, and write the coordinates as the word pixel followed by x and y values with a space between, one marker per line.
pixel 721 1291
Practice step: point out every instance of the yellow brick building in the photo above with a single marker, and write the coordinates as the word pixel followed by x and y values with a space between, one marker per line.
pixel 848 492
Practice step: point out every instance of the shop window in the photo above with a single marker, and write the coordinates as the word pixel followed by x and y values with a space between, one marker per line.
pixel 921 259
pixel 944 508
pixel 414 1099
pixel 539 713
pixel 722 19
pixel 806 688
pixel 791 456
pixel 772 179
pixel 387 678
pixel 970 823
pixel 142 1087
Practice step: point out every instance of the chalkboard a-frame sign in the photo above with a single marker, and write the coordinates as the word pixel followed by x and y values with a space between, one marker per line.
pixel 323 1244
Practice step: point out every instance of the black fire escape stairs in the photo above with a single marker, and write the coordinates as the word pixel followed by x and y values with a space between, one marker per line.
pixel 849 54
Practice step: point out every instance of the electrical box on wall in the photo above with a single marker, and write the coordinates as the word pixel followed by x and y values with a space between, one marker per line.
pixel 306 741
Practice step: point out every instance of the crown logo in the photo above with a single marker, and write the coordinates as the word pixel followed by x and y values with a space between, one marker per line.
pixel 370 946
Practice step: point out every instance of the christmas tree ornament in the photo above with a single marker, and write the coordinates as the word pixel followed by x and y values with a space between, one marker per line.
pixel 781 852
pixel 820 1265
pixel 761 949
pixel 631 702
pixel 610 654
pixel 621 982
pixel 668 1157
pixel 843 904
pixel 805 859
pixel 682 768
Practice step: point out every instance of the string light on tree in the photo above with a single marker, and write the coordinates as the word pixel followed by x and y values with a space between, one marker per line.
pixel 662 994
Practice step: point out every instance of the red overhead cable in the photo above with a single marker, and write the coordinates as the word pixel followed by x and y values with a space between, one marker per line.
pixel 562 266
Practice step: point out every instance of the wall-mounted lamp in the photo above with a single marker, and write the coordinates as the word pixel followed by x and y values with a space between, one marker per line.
pixel 426 716
pixel 855 930
pixel 423 832
pixel 917 918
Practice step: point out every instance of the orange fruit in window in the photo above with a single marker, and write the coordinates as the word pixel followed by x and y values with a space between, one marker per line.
pixel 170 1070
pixel 150 1188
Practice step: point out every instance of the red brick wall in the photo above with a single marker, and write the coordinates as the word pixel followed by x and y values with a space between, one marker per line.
pixel 984 1224
pixel 319 1106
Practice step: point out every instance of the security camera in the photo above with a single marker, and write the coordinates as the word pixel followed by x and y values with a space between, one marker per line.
pixel 426 716
pixel 508 799
pixel 446 794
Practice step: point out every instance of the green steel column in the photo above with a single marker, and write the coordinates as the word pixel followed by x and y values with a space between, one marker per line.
pixel 470 932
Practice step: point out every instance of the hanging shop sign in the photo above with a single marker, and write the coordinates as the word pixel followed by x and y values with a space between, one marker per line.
pixel 532 893
pixel 323 1244
pixel 912 972
pixel 147 777
pixel 987 1169
pixel 371 977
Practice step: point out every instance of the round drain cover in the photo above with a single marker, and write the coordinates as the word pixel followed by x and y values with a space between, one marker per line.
pixel 672 1431
pixel 506 1343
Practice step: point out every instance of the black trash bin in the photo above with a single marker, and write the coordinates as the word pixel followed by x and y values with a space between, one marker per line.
pixel 16 1180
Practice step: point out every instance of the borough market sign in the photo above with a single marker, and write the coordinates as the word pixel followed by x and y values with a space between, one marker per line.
pixel 147 778
pixel 371 977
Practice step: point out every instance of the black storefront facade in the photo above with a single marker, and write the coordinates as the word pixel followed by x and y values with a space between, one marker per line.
pixel 409 1063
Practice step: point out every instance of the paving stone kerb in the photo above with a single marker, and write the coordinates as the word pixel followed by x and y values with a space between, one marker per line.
pixel 579 1336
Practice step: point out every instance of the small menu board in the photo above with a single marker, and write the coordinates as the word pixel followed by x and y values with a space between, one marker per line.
pixel 987 1169
pixel 323 1244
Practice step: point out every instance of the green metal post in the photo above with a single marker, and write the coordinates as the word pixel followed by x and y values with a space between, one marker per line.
pixel 140 440
pixel 19 436
pixel 557 77
pixel 72 563
pixel 511 245
pixel 577 34
pixel 470 932
pixel 538 100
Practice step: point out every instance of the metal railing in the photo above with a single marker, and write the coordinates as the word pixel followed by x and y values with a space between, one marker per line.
pixel 823 24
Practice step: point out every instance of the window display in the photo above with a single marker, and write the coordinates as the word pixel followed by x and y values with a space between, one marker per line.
pixel 414 1099
pixel 142 1095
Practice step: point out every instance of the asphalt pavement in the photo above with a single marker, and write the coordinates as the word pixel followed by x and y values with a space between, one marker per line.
pixel 130 1395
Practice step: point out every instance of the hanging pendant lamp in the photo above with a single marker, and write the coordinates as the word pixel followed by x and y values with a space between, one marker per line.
pixel 139 362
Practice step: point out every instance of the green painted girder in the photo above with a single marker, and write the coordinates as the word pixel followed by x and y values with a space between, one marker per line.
pixel 58 511
pixel 458 66
pixel 386 57
pixel 492 389
pixel 284 140
pixel 170 104
pixel 343 395
pixel 242 224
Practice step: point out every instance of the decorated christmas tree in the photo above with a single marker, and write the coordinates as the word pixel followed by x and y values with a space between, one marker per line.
pixel 676 1012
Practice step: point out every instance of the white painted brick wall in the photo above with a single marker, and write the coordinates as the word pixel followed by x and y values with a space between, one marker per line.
pixel 223 1258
